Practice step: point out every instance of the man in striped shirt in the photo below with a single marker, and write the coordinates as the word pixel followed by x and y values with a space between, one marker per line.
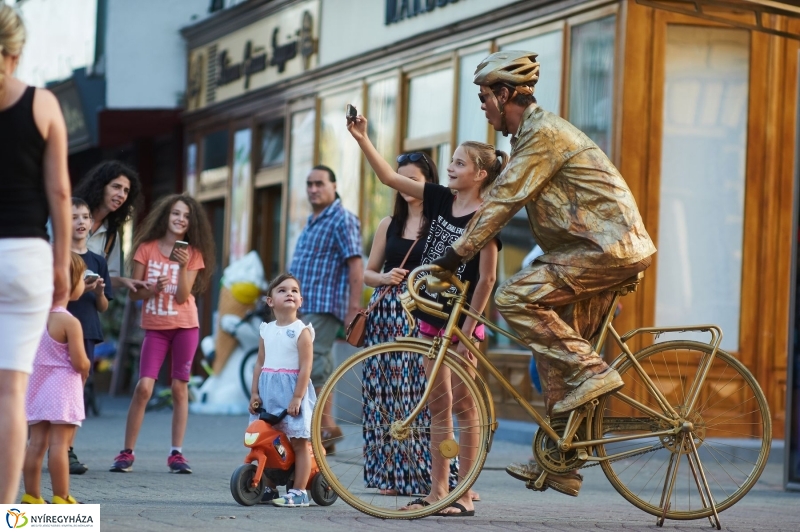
pixel 327 262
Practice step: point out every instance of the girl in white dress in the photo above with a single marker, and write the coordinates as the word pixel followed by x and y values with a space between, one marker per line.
pixel 282 377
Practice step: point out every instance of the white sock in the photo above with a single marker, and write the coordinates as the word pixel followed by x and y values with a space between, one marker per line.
pixel 175 449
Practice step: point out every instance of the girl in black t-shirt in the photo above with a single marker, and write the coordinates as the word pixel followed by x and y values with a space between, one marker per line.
pixel 473 168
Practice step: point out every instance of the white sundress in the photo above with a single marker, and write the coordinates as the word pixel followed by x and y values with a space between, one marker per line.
pixel 278 378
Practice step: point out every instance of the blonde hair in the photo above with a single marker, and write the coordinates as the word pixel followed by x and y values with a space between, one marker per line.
pixel 485 157
pixel 12 36
pixel 76 269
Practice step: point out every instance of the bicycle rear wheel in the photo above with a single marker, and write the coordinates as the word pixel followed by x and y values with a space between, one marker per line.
pixel 371 392
pixel 731 430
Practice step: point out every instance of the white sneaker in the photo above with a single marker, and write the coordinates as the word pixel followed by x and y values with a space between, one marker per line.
pixel 293 499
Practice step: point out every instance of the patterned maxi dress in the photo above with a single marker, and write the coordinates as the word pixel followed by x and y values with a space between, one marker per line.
pixel 397 379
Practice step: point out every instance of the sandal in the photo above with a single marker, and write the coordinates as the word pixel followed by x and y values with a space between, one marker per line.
pixel 462 512
pixel 416 502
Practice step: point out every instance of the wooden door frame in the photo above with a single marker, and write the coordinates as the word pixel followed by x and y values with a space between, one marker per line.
pixel 772 109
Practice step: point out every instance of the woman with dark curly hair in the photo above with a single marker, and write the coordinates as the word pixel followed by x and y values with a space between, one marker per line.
pixel 111 189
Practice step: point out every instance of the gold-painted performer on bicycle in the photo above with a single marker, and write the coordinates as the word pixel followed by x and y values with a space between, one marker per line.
pixel 584 217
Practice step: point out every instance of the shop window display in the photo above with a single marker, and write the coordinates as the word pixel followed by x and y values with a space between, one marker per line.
pixel 377 199
pixel 272 149
pixel 337 149
pixel 301 160
pixel 704 146
pixel 430 104
pixel 591 80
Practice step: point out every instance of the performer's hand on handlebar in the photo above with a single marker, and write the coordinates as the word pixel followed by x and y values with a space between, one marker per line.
pixel 449 262
pixel 358 128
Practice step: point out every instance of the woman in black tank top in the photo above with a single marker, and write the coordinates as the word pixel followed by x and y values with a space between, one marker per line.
pixel 33 183
pixel 396 239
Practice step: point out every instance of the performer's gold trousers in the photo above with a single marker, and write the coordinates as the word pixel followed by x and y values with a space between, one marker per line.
pixel 554 309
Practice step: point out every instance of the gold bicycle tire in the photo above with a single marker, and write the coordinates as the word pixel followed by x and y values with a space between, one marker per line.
pixel 329 465
pixel 716 381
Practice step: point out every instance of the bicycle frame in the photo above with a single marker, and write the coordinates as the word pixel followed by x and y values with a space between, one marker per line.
pixel 411 300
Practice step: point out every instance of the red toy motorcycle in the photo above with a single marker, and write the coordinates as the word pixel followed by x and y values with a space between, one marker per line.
pixel 273 453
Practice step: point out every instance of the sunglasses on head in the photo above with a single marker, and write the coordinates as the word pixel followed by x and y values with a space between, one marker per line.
pixel 411 157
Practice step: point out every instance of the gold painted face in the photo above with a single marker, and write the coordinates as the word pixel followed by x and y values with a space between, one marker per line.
pixel 490 107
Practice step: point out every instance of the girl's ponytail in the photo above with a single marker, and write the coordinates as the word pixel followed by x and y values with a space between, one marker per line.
pixel 500 162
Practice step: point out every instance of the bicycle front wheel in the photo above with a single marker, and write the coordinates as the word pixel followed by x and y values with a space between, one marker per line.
pixel 378 466
pixel 731 431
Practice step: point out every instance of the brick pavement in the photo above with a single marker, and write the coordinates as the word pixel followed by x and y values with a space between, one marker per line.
pixel 151 499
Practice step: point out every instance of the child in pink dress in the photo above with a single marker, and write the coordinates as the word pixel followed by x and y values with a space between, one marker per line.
pixel 54 403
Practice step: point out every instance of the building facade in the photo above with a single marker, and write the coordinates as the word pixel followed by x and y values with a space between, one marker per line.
pixel 699 115
pixel 117 69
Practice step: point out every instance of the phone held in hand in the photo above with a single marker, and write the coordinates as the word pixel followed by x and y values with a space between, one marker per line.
pixel 352 112
pixel 89 277
pixel 179 244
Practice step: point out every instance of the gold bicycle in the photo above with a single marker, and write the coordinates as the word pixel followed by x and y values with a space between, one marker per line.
pixel 686 437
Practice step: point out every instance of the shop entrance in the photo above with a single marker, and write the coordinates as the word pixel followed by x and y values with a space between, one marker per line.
pixel 207 302
pixel 267 232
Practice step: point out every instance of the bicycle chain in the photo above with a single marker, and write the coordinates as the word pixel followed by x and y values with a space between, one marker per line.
pixel 593 463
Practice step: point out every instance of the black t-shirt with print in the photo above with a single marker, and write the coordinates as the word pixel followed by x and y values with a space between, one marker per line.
pixel 443 230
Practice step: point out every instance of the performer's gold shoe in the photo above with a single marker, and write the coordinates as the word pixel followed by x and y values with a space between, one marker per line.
pixel 592 388
pixel 567 483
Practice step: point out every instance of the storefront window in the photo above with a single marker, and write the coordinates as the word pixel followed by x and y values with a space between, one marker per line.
pixel 703 151
pixel 378 199
pixel 443 157
pixel 430 104
pixel 272 152
pixel 338 150
pixel 301 160
pixel 215 160
pixel 472 123
pixel 549 47
pixel 591 80
pixel 191 169
pixel 241 195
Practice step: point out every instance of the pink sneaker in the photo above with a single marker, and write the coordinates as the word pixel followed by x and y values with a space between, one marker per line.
pixel 123 463
pixel 177 463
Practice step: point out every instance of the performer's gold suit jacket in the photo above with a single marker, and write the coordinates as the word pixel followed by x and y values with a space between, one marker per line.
pixel 580 209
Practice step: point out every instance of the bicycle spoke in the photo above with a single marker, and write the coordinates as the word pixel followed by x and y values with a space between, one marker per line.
pixel 729 403
pixel 369 402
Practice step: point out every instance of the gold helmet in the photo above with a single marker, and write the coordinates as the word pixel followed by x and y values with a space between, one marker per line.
pixel 510 67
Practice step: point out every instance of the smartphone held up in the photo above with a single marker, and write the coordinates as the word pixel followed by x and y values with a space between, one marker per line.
pixel 351 113
pixel 179 244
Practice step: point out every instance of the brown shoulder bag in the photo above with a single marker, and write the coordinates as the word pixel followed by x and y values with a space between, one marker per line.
pixel 357 329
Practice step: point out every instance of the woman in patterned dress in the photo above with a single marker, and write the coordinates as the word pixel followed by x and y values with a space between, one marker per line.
pixel 398 379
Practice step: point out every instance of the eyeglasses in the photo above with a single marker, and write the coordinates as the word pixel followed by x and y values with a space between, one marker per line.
pixel 405 158
pixel 482 97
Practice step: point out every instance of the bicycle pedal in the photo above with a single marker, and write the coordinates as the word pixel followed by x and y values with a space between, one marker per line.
pixel 531 485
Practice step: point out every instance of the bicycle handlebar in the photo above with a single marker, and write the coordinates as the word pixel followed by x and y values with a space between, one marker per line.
pixel 433 284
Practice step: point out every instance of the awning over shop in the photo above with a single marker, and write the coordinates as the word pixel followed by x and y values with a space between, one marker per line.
pixel 749 14
pixel 121 126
